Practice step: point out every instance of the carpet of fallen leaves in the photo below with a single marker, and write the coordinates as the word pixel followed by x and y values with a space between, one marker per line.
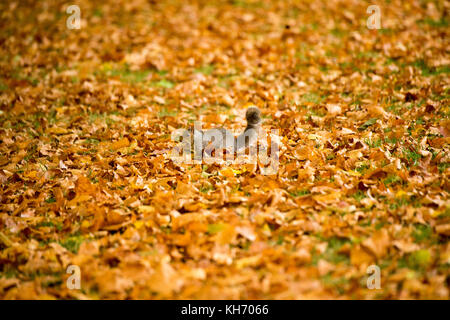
pixel 86 120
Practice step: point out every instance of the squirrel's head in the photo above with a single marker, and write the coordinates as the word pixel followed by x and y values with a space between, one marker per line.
pixel 253 116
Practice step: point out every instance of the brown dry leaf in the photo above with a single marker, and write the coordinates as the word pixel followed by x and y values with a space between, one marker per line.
pixel 443 229
pixel 359 256
pixel 378 243
pixel 165 280
pixel 122 143
pixel 185 219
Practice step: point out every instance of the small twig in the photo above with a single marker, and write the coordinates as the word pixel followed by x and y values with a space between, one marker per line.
pixel 5 240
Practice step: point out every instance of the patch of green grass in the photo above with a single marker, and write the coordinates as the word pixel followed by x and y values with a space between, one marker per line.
pixel 206 189
pixel 324 68
pixel 215 228
pixel 75 80
pixel 72 243
pixel 280 240
pixel 3 86
pixel 338 32
pixel 386 31
pixel 374 144
pixel 359 195
pixel 362 168
pixel 346 65
pixel 206 69
pixel 338 283
pixel 9 273
pixel 367 54
pixel 331 254
pixel 91 176
pixel 365 223
pixel 133 76
pixel 379 225
pixel 316 113
pixel 164 83
pixel 430 70
pixel 247 4
pixel 164 112
pixel 224 81
pixel 48 279
pixel 127 75
pixel 94 116
pixel 398 203
pixel 300 193
pixel 391 180
pixel 367 124
pixel 50 200
pixel 420 121
pixel 441 23
pixel 312 97
pixel 31 152
pixel 51 117
pixel 445 268
pixel 419 259
pixel 422 233
pixel 443 166
pixel 98 12
pixel 391 140
pixel 50 224
pixel 20 74
pixel 412 155
pixel 91 141
pixel 395 108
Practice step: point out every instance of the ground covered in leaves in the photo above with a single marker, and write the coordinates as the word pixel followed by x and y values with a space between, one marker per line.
pixel 86 121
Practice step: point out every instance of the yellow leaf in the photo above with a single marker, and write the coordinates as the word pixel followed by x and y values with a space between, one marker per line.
pixel 248 261
pixel 85 160
pixel 57 130
pixel 227 172
pixel 85 224
pixel 30 174
pixel 237 171
pixel 353 173
pixel 146 209
pixel 133 144
pixel 5 240
pixel 122 143
pixel 400 193
pixel 248 105
pixel 313 136
pixel 436 213
pixel 138 224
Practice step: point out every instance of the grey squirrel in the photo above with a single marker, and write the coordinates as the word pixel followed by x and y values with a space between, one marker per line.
pixel 221 138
